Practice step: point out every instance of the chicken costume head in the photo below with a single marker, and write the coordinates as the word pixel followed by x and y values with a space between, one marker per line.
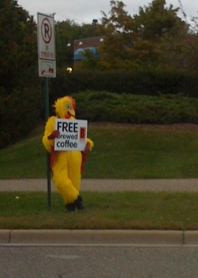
pixel 66 165
pixel 65 108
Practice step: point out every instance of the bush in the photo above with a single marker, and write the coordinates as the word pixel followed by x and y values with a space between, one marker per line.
pixel 138 82
pixel 123 108
pixel 19 114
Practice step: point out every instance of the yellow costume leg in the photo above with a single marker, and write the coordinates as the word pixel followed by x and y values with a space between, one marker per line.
pixel 74 168
pixel 63 183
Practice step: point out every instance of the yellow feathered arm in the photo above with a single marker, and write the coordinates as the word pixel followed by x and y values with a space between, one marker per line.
pixel 90 142
pixel 49 128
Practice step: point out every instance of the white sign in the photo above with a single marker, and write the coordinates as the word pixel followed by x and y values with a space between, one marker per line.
pixel 73 135
pixel 47 68
pixel 46 45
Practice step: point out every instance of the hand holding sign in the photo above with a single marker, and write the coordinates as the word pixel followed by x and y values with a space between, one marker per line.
pixel 54 134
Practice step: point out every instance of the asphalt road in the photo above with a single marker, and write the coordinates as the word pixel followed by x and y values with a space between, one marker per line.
pixel 88 261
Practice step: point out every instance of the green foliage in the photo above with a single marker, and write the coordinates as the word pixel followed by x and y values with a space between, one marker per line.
pixel 134 42
pixel 156 19
pixel 123 108
pixel 19 114
pixel 153 54
pixel 20 91
pixel 133 108
pixel 90 62
pixel 64 42
pixel 66 32
pixel 142 82
pixel 179 50
pixel 18 46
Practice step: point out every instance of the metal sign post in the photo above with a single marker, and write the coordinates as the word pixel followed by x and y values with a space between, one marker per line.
pixel 46 93
pixel 47 69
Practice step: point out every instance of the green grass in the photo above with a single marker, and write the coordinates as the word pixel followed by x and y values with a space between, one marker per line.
pixel 125 210
pixel 120 151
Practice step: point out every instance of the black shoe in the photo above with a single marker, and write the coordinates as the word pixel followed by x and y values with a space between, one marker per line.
pixel 79 203
pixel 71 207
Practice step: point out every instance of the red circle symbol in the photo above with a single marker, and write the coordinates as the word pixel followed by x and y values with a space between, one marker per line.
pixel 46 30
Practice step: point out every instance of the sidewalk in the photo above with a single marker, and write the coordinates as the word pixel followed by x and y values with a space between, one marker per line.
pixel 103 185
pixel 72 237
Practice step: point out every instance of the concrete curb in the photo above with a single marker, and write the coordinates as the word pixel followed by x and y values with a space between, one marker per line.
pixel 70 237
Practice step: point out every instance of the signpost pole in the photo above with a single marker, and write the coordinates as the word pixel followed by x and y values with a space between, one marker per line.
pixel 46 92
pixel 47 69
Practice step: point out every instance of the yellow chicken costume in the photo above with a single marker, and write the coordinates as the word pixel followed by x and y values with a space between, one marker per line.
pixel 65 165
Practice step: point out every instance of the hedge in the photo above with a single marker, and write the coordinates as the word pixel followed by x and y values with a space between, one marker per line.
pixel 138 83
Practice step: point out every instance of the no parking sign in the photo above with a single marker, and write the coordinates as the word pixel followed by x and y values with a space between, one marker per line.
pixel 46 45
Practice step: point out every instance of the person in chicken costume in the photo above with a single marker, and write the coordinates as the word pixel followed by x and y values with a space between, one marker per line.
pixel 66 166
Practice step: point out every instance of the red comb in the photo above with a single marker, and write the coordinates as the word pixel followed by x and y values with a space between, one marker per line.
pixel 73 102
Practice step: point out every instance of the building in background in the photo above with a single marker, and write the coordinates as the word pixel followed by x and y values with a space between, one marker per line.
pixel 90 44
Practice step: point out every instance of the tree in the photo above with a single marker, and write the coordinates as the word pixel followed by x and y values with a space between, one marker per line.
pixel 118 21
pixel 156 19
pixel 18 45
pixel 20 87
pixel 132 42
pixel 66 32
pixel 117 27
pixel 179 47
